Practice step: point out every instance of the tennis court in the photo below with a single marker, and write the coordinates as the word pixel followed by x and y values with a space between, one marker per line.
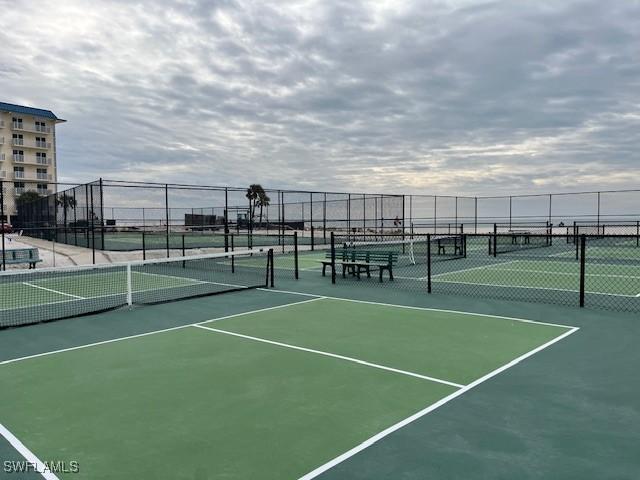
pixel 280 392
pixel 601 279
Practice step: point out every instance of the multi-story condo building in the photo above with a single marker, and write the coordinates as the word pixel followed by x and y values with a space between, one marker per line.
pixel 27 152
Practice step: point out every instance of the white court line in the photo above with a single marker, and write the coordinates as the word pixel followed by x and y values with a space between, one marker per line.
pixel 27 454
pixel 427 309
pixel 379 436
pixel 550 272
pixel 535 288
pixel 54 291
pixel 333 355
pixel 475 268
pixel 104 342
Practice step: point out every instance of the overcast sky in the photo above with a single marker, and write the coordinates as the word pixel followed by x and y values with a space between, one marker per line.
pixel 450 97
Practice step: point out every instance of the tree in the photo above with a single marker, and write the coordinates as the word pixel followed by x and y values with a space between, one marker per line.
pixel 66 202
pixel 257 198
pixel 27 197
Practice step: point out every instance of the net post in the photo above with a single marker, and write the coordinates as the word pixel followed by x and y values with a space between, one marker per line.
pixel 495 240
pixel 183 252
pixel 583 243
pixel 272 270
pixel 428 263
pixel 333 258
pixel 295 255
pixel 129 286
pixel 233 258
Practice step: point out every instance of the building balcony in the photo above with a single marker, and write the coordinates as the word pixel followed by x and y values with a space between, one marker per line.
pixel 23 127
pixel 1 157
pixel 1 140
pixel 3 174
pixel 21 142
pixel 31 176
pixel 29 160
pixel 1 123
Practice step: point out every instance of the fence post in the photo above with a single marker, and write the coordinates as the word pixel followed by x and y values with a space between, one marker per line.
pixel 144 245
pixel 295 254
pixel 226 219
pixel 313 242
pixel 93 227
pixel 583 242
pixel 102 229
pixel 428 263
pixel 166 207
pixel 333 258
pixel 2 221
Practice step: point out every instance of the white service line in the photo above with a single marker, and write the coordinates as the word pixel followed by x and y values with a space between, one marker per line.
pixel 332 355
pixel 104 342
pixel 54 291
pixel 489 265
pixel 427 309
pixel 379 436
pixel 535 288
pixel 27 454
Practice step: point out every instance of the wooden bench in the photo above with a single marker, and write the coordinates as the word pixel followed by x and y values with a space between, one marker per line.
pixel 17 256
pixel 357 262
pixel 445 242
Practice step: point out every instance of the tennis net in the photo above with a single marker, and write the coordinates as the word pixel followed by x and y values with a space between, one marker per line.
pixel 31 296
pixel 414 251
pixel 515 241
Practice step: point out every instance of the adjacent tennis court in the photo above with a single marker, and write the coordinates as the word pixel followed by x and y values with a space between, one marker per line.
pixel 550 274
pixel 279 392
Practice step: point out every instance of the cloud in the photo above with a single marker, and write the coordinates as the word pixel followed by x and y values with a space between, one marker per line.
pixel 448 97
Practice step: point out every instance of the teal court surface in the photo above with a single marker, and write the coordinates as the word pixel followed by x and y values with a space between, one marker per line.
pixel 286 391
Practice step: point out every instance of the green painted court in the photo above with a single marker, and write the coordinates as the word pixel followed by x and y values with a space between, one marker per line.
pixel 272 393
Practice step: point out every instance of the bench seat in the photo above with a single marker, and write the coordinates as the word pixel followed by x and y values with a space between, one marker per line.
pixel 18 256
pixel 357 262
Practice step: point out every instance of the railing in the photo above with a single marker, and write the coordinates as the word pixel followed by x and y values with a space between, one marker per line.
pixel 43 129
pixel 20 190
pixel 17 126
pixel 18 174
pixel 43 161
pixel 1 123
pixel 18 158
pixel 43 145
pixel 18 141
pixel 1 140
pixel 3 174
pixel 1 157
pixel 43 192
pixel 43 176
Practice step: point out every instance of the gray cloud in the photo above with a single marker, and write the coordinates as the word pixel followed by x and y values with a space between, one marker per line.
pixel 449 97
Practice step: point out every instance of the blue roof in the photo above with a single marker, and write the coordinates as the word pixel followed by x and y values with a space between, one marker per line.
pixel 37 112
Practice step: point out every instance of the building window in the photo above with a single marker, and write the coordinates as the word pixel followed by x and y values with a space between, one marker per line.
pixel 17 122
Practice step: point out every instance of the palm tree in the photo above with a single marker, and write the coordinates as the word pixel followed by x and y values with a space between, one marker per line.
pixel 263 201
pixel 66 202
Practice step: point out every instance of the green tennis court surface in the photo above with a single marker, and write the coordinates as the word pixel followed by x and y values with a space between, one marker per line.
pixel 549 274
pixel 270 394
